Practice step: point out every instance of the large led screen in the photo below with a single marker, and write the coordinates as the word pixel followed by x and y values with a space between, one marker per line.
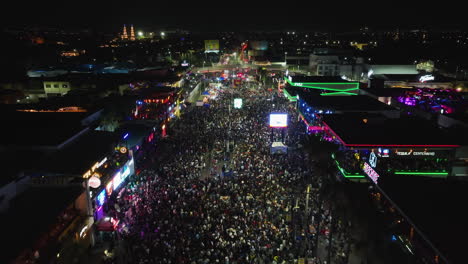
pixel 117 180
pixel 278 120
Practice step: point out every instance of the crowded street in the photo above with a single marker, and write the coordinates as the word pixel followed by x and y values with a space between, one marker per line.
pixel 214 193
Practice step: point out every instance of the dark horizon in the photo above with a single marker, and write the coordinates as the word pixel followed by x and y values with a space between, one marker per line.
pixel 216 17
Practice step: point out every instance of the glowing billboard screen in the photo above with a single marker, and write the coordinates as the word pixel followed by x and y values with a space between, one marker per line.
pixel 370 172
pixel 238 103
pixel 117 180
pixel 278 120
pixel 109 188
pixel 101 198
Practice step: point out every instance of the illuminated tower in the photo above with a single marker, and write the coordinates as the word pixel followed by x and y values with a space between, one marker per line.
pixel 124 35
pixel 132 33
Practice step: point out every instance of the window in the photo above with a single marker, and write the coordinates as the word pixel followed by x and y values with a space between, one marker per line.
pixel 47 86
pixel 64 85
pixel 56 86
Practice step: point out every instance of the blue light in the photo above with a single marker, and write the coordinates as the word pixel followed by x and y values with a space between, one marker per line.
pixel 139 102
pixel 126 136
pixel 101 198
pixel 394 238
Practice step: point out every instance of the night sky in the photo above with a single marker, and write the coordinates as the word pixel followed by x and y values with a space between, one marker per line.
pixel 232 15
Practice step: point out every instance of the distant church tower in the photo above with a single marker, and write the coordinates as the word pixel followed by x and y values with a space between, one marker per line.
pixel 124 35
pixel 132 33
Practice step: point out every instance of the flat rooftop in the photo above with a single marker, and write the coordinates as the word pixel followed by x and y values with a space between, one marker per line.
pixel 16 161
pixel 343 103
pixel 154 92
pixel 39 128
pixel 367 130
pixel 80 155
pixel 318 79
pixel 31 214
pixel 412 77
pixel 435 206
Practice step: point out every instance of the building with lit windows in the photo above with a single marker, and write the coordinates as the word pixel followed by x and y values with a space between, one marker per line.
pixel 56 88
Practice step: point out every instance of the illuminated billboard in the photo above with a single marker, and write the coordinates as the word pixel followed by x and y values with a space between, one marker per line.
pixel 370 172
pixel 212 45
pixel 238 103
pixel 259 45
pixel 101 198
pixel 117 180
pixel 109 188
pixel 127 170
pixel 278 120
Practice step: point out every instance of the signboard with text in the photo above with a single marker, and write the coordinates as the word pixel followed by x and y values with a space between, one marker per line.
pixel 370 172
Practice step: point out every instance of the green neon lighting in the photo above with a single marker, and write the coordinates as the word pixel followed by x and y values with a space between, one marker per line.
pixel 290 97
pixel 325 88
pixel 420 173
pixel 345 174
pixel 335 93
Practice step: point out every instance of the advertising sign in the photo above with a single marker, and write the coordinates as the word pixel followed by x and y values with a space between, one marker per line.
pixel 383 153
pixel 238 103
pixel 370 172
pixel 373 160
pixel 278 120
pixel 117 180
pixel 212 45
pixel 94 182
pixel 109 188
pixel 415 153
pixel 101 198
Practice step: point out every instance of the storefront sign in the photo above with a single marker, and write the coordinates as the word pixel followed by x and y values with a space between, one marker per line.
pixel 109 188
pixel 123 150
pixel 94 167
pixel 117 180
pixel 415 153
pixel 373 160
pixel 370 172
pixel 94 182
pixel 101 198
pixel 425 78
pixel 383 153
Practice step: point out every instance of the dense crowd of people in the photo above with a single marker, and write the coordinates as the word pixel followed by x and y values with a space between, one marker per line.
pixel 206 203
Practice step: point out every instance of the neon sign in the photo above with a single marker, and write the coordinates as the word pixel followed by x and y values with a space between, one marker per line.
pixel 425 78
pixel 373 160
pixel 101 198
pixel 117 180
pixel 415 153
pixel 383 153
pixel 123 150
pixel 109 188
pixel 94 167
pixel 370 172
pixel 126 173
